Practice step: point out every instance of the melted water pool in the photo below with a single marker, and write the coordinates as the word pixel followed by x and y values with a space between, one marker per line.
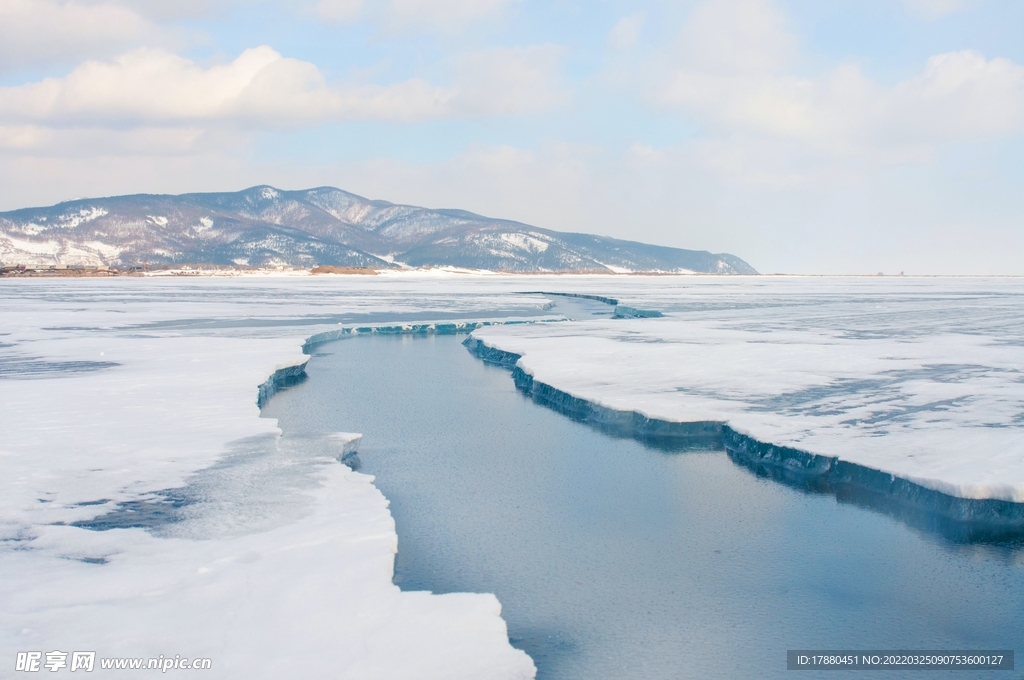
pixel 613 560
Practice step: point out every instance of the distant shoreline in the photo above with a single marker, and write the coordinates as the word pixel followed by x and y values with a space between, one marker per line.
pixel 163 270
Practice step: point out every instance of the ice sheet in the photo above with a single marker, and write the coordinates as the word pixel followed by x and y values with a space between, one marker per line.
pixel 920 378
pixel 274 560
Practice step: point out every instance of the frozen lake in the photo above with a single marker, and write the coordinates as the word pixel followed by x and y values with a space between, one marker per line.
pixel 146 508
pixel 614 560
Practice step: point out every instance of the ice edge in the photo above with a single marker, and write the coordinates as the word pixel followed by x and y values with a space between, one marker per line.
pixel 292 374
pixel 985 518
pixel 621 311
pixel 282 377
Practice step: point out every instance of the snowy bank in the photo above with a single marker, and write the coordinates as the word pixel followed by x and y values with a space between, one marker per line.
pixel 133 403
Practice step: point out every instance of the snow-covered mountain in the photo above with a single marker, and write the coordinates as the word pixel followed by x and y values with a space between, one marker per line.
pixel 322 226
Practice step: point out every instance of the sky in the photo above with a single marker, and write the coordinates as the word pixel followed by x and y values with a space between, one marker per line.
pixel 815 137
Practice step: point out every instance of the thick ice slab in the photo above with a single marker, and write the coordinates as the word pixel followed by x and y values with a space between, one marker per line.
pixel 921 379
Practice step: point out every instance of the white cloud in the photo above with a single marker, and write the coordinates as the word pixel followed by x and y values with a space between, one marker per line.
pixel 732 76
pixel 91 142
pixel 446 16
pixel 171 10
pixel 934 9
pixel 511 80
pixel 737 36
pixel 450 16
pixel 643 155
pixel 338 11
pixel 46 31
pixel 264 89
pixel 960 95
pixel 259 87
pixel 626 31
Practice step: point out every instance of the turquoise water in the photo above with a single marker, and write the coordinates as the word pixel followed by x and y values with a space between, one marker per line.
pixel 613 560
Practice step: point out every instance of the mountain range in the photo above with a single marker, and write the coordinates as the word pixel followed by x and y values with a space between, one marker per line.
pixel 264 226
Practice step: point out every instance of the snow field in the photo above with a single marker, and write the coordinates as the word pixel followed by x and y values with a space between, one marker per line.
pixel 923 379
pixel 280 564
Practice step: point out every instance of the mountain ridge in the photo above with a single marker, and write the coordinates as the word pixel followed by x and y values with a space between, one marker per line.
pixel 264 226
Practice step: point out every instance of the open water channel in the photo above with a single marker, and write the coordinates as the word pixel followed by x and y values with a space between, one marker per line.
pixel 615 560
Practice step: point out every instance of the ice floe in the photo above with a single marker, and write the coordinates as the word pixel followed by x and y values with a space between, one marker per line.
pixel 923 379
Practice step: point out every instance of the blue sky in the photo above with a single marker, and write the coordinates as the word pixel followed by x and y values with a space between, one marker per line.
pixel 805 137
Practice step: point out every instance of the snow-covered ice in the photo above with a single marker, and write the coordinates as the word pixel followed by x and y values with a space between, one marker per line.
pixel 920 378
pixel 280 563
pixel 139 395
